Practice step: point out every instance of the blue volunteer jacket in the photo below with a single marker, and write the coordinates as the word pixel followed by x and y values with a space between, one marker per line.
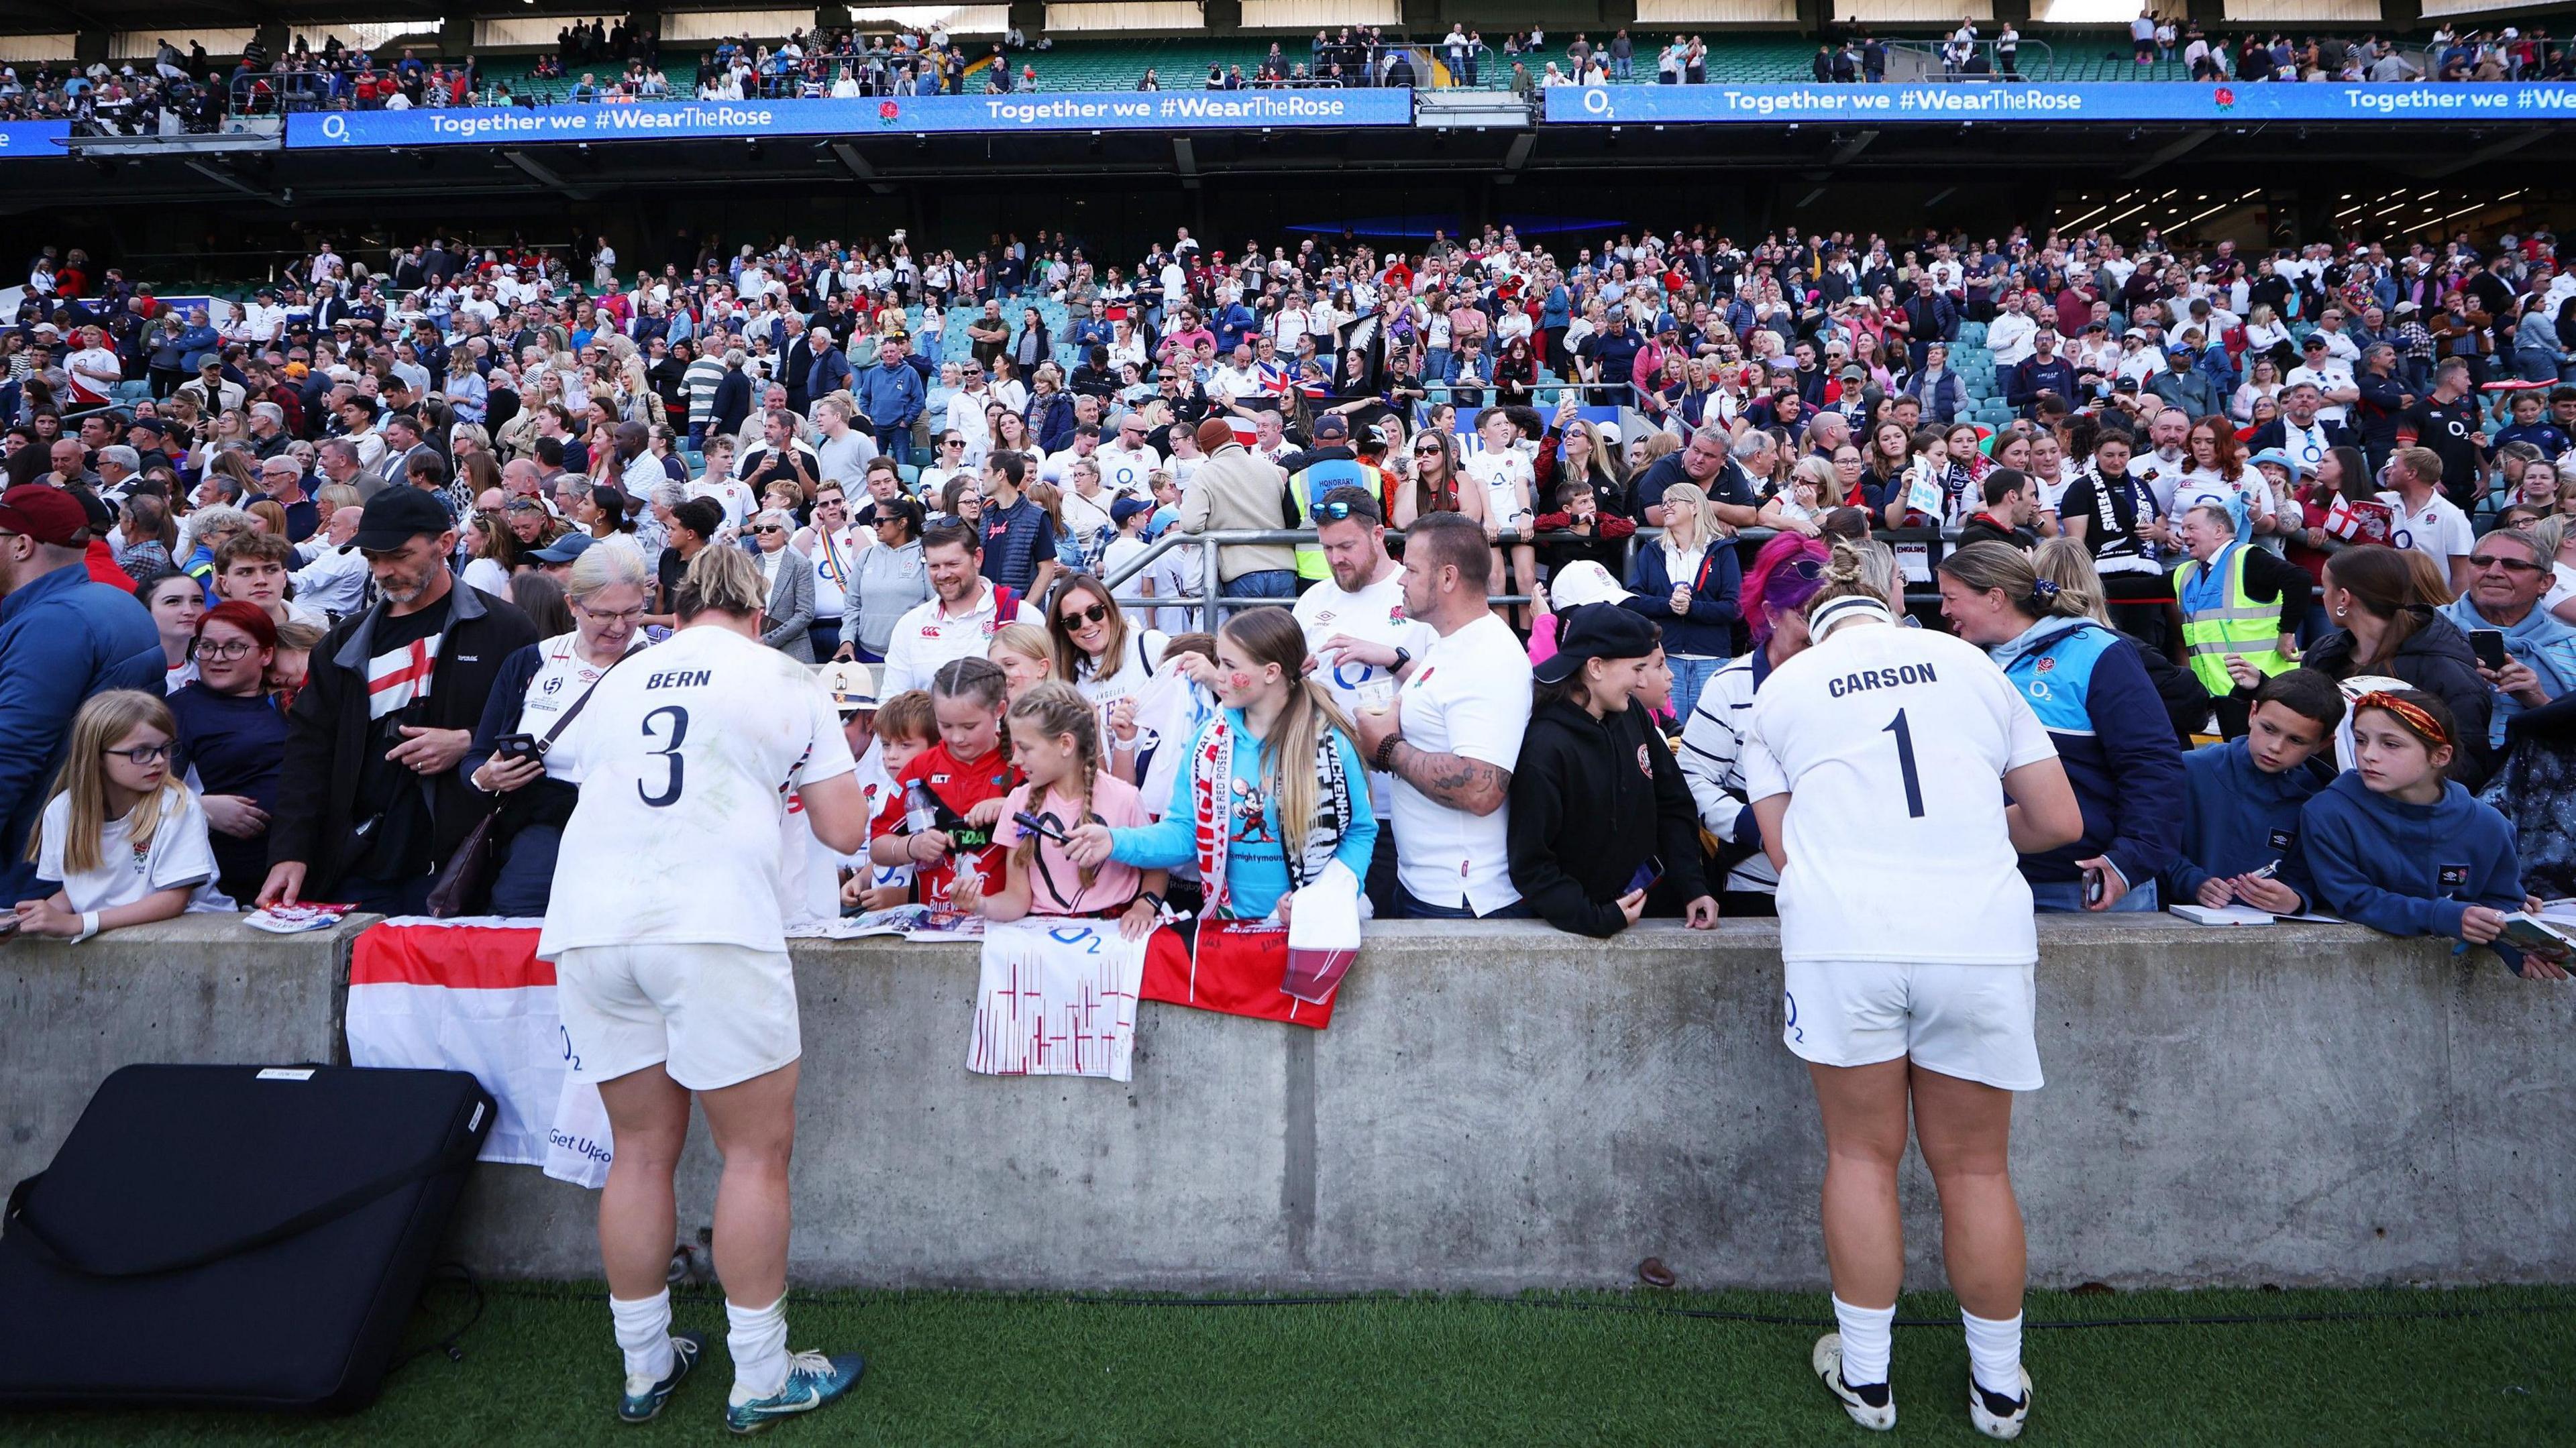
pixel 2093 696
pixel 2409 869
pixel 2237 818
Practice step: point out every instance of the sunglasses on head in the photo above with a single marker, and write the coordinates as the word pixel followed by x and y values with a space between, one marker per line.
pixel 1077 617
pixel 1337 511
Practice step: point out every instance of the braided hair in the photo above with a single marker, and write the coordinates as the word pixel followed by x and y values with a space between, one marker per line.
pixel 1057 710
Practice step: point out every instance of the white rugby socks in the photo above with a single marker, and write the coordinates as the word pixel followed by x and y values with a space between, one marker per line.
pixel 1994 1353
pixel 1867 1333
pixel 644 1335
pixel 757 1339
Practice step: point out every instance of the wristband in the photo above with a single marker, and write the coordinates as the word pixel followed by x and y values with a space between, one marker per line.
pixel 89 926
pixel 1385 755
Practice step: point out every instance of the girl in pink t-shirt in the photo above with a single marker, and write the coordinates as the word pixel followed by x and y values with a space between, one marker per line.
pixel 1055 740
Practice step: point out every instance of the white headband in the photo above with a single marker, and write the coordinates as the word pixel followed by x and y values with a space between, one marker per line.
pixel 1851 608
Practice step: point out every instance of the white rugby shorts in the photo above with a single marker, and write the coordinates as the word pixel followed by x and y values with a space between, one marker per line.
pixel 1974 1022
pixel 710 1015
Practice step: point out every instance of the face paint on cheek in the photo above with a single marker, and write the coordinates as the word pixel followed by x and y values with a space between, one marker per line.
pixel 1240 682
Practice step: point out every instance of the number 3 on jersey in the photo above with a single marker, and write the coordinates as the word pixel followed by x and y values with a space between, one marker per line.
pixel 1896 726
pixel 679 726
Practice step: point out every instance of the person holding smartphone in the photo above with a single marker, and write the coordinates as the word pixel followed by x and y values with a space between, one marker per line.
pixel 1596 799
pixel 2525 654
pixel 512 759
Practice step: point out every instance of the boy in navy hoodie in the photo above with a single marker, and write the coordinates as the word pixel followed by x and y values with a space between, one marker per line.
pixel 2396 846
pixel 2241 800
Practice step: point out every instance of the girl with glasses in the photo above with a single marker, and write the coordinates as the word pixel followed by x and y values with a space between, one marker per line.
pixel 232 739
pixel 122 842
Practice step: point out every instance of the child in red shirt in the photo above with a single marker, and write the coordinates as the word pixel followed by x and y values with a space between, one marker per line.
pixel 967 775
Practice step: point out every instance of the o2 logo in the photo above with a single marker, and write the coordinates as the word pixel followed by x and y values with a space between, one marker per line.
pixel 1079 936
pixel 1350 683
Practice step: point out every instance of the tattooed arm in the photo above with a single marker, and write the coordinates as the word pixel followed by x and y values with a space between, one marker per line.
pixel 1453 779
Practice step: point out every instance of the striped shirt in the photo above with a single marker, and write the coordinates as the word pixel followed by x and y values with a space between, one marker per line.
pixel 700 383
pixel 1712 764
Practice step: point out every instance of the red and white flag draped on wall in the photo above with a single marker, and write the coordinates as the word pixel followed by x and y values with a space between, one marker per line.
pixel 1058 998
pixel 470 995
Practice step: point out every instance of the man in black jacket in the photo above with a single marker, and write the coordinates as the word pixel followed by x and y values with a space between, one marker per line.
pixel 2039 374
pixel 2012 501
pixel 370 806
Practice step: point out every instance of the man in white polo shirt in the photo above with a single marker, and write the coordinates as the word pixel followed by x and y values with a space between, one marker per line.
pixel 963 612
pixel 1364 641
pixel 1453 733
pixel 2425 519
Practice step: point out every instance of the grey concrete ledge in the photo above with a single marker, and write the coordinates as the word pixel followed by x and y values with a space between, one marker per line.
pixel 1498 1106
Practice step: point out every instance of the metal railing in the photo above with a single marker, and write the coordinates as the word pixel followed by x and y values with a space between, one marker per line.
pixel 2031 60
pixel 1212 603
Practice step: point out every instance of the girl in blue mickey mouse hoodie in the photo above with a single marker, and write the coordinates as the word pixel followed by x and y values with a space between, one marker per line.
pixel 2394 845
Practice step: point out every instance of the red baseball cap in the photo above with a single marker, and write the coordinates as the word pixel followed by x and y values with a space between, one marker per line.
pixel 46 514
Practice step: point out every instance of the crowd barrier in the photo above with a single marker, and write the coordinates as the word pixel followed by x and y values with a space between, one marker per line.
pixel 1918 551
pixel 1497 1107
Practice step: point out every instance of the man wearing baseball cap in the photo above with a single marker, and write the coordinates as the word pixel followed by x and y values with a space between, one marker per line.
pixel 1331 463
pixel 63 637
pixel 371 805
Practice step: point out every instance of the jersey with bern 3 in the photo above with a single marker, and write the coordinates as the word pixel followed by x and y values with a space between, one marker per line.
pixel 1889 743
pixel 1374 615
pixel 688 757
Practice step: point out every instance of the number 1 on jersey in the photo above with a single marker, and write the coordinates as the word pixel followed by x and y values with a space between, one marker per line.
pixel 1905 761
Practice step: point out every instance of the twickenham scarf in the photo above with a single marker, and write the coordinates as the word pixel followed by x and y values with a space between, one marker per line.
pixel 1213 806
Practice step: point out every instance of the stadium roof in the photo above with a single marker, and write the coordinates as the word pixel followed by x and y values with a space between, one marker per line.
pixel 174 17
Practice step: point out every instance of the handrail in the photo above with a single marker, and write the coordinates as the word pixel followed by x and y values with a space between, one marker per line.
pixel 1935 52
pixel 1211 603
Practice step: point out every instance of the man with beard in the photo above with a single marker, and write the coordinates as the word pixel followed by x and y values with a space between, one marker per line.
pixel 370 804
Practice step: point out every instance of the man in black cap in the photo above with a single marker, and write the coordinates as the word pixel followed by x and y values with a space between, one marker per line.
pixel 63 637
pixel 1599 810
pixel 370 806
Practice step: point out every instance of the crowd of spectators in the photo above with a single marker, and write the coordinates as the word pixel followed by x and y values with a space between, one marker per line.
pixel 402 501
pixel 190 91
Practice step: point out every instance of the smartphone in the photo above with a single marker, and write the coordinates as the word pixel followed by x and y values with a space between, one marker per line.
pixel 2094 887
pixel 1646 876
pixel 2488 644
pixel 516 746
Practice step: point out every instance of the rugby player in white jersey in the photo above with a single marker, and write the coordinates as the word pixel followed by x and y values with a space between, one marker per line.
pixel 1897 776
pixel 672 972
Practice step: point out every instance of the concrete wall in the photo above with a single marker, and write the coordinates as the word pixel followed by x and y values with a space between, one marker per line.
pixel 1494 1109
pixel 198 988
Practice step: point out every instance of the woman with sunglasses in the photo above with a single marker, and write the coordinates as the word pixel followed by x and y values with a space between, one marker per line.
pixel 1108 658
pixel 893 579
pixel 787 624
pixel 832 544
pixel 232 736
pixel 1435 480
pixel 1786 573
